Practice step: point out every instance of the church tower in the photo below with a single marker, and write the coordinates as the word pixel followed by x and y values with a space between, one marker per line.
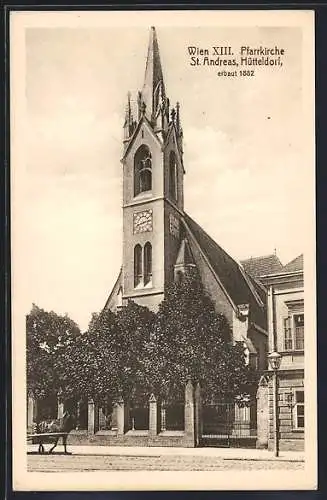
pixel 152 188
pixel 161 241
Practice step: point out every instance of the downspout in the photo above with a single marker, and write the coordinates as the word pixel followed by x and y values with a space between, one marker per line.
pixel 274 319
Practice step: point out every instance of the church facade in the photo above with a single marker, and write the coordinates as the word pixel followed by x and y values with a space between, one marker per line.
pixel 160 240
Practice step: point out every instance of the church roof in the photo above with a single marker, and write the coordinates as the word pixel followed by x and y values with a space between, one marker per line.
pixel 112 299
pixel 234 280
pixel 294 265
pixel 261 266
pixel 153 77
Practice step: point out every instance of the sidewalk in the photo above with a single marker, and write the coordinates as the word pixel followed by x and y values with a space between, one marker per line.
pixel 223 453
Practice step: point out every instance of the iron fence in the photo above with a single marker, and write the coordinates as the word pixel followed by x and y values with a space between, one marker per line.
pixel 228 424
pixel 172 416
pixel 139 417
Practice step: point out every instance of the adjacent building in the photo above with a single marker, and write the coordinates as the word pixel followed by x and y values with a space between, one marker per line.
pixel 285 300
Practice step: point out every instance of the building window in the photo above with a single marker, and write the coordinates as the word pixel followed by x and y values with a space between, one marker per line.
pixel 142 265
pixel 137 265
pixel 172 176
pixel 147 263
pixel 299 410
pixel 142 170
pixel 294 332
pixel 299 331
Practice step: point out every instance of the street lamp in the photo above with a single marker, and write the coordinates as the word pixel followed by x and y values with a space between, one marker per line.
pixel 274 361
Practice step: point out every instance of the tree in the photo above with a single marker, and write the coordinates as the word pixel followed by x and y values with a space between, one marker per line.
pixel 190 340
pixel 107 361
pixel 94 360
pixel 136 324
pixel 48 337
pixel 136 352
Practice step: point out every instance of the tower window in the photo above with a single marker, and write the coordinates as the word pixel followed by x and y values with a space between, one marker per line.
pixel 137 265
pixel 172 176
pixel 142 170
pixel 147 263
pixel 142 265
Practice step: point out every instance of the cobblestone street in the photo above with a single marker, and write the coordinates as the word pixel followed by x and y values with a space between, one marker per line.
pixel 78 462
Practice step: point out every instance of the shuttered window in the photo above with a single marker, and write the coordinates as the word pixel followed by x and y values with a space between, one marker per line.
pixel 294 332
pixel 299 331
pixel 288 338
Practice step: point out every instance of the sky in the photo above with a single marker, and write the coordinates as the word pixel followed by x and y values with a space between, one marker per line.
pixel 244 143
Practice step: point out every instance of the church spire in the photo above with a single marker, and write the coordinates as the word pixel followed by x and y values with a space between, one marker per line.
pixel 153 92
pixel 129 124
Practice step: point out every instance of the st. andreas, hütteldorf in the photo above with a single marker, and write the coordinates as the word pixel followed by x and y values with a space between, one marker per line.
pixel 162 243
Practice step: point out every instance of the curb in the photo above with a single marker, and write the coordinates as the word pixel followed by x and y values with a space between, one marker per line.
pixel 160 455
pixel 300 460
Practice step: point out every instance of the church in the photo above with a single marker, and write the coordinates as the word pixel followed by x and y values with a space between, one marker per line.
pixel 160 240
pixel 261 299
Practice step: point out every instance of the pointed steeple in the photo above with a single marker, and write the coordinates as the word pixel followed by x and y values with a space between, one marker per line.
pixel 128 117
pixel 129 124
pixel 184 259
pixel 153 91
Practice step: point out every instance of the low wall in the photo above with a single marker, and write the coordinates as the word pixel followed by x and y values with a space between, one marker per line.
pixel 131 438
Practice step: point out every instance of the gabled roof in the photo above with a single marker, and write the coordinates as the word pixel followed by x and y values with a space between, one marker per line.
pixel 143 120
pixel 261 266
pixel 294 265
pixel 239 287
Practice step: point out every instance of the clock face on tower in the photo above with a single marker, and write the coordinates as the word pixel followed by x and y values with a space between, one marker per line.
pixel 142 221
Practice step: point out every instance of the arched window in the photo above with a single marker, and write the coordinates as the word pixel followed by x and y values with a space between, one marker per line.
pixel 142 170
pixel 172 176
pixel 147 263
pixel 137 265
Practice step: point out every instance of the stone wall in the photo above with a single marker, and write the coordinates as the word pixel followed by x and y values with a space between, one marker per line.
pixel 131 438
pixel 184 429
pixel 123 434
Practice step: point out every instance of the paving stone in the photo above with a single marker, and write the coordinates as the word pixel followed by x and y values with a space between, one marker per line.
pixel 61 463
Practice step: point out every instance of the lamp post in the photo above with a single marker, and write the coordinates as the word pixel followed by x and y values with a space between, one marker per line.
pixel 275 360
